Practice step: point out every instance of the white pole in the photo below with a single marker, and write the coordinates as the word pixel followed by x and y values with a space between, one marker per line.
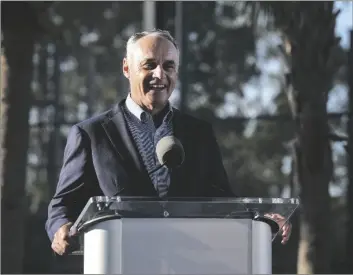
pixel 149 15
pixel 179 24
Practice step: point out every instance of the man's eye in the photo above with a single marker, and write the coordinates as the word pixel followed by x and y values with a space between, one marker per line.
pixel 149 66
pixel 169 67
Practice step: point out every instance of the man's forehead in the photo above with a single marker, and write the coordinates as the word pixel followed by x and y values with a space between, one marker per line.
pixel 155 48
pixel 150 57
pixel 154 41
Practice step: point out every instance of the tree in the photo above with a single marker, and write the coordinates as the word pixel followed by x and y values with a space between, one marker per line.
pixel 20 28
pixel 310 42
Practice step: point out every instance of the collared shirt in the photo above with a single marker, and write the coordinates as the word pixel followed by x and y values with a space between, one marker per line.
pixel 133 107
pixel 146 131
pixel 165 116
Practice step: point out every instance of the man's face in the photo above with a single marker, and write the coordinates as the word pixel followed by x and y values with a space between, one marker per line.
pixel 152 69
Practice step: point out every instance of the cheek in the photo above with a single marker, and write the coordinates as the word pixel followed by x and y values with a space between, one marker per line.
pixel 172 77
pixel 140 79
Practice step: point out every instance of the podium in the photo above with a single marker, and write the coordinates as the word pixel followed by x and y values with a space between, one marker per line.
pixel 139 235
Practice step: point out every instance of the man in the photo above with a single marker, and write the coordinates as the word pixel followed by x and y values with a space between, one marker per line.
pixel 112 154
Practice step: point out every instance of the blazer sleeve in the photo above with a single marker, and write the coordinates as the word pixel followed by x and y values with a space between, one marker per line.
pixel 219 185
pixel 73 190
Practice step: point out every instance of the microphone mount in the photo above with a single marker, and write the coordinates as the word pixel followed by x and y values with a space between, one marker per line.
pixel 156 168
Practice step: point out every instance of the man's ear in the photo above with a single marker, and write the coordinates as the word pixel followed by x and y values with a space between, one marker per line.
pixel 126 70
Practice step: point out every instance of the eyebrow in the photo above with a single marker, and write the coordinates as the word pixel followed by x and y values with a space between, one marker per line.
pixel 149 60
pixel 170 62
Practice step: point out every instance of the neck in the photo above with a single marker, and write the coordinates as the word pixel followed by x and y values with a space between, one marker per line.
pixel 153 110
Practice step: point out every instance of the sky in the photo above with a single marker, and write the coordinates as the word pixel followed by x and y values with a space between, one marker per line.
pixel 344 24
pixel 344 21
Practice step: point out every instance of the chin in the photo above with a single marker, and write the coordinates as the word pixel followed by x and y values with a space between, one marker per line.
pixel 157 103
pixel 157 96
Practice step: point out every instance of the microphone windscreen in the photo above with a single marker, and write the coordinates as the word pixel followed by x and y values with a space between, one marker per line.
pixel 170 152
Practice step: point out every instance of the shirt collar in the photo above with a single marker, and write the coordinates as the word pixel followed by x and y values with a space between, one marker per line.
pixel 138 112
pixel 134 108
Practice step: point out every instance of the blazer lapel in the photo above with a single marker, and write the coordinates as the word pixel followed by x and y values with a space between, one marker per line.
pixel 177 174
pixel 119 136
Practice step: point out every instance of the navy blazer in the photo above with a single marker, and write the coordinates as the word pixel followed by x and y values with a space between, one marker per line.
pixel 100 158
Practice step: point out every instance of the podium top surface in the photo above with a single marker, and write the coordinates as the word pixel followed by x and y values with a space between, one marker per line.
pixel 102 207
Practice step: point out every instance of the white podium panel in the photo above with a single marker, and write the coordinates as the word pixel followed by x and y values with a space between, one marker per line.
pixel 178 246
pixel 142 235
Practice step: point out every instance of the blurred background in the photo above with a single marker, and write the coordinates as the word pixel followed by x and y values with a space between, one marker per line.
pixel 274 79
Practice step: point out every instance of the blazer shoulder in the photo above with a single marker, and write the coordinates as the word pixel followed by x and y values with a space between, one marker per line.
pixel 94 121
pixel 192 122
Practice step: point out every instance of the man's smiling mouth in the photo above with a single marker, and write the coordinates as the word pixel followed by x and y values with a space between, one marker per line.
pixel 157 87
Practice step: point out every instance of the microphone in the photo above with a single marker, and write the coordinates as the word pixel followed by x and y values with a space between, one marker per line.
pixel 170 153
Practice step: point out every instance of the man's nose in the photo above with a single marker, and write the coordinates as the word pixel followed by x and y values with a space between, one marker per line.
pixel 158 72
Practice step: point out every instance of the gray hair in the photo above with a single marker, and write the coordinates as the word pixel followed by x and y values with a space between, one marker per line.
pixel 137 36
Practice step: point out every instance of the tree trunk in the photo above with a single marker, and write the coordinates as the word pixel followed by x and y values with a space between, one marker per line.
pixel 314 172
pixel 309 30
pixel 14 144
pixel 349 235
